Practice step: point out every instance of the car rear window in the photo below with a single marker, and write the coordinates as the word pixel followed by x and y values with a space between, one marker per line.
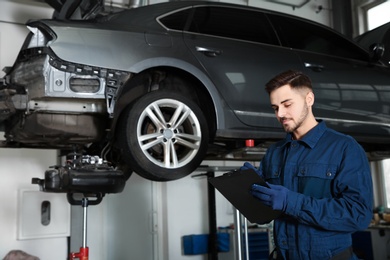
pixel 298 34
pixel 234 23
pixel 177 20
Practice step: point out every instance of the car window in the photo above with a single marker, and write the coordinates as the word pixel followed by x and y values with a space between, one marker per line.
pixel 177 20
pixel 232 23
pixel 306 36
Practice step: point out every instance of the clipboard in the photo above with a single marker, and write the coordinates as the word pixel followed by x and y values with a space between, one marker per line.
pixel 235 186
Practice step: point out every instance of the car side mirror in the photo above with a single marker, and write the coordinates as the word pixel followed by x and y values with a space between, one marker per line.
pixel 377 50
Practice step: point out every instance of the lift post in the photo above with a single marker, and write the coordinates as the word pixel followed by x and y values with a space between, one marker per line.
pixel 84 250
pixel 83 254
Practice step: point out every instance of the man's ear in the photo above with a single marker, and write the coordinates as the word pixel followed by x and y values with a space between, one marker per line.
pixel 310 98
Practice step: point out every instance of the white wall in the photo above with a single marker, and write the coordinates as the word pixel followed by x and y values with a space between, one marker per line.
pixel 17 168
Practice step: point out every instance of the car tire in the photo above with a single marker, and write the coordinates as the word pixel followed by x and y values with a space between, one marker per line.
pixel 158 146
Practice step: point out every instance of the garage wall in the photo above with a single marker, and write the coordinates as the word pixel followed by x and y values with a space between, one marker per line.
pixel 17 168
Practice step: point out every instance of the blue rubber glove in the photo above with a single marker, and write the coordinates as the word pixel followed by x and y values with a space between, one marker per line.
pixel 275 196
pixel 248 166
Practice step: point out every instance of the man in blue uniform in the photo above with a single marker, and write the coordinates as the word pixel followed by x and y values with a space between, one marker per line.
pixel 320 179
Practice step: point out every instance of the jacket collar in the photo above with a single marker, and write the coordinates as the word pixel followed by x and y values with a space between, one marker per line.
pixel 312 137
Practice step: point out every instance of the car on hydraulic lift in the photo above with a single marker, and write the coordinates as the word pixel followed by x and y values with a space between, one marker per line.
pixel 157 89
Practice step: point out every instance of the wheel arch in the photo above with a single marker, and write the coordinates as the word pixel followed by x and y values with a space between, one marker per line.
pixel 197 86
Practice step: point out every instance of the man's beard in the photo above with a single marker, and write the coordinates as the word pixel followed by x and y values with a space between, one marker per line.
pixel 299 123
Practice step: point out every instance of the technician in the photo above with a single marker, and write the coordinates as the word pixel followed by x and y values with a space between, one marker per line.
pixel 319 178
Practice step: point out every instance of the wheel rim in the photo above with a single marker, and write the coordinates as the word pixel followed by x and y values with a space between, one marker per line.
pixel 169 133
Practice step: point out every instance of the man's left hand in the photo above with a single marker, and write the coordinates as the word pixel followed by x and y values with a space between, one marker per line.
pixel 275 196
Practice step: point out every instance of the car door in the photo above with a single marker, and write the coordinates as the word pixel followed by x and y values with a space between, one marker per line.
pixel 352 94
pixel 240 52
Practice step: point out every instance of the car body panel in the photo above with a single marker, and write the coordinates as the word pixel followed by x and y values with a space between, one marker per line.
pixel 243 86
pixel 339 85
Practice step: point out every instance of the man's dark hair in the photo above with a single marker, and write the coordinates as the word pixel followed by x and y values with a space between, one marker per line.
pixel 296 79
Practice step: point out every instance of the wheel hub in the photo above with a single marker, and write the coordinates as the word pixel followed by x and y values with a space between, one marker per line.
pixel 168 134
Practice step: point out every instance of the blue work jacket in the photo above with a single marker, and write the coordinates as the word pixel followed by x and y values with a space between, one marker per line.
pixel 330 192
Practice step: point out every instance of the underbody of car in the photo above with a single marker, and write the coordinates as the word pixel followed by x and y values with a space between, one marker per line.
pixel 73 107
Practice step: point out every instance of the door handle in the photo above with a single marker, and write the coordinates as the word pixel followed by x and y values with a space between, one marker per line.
pixel 208 52
pixel 314 67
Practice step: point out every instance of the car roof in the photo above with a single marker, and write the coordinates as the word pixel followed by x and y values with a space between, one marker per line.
pixel 148 14
pixel 153 11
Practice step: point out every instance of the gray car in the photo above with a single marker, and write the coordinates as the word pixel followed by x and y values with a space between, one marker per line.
pixel 158 88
